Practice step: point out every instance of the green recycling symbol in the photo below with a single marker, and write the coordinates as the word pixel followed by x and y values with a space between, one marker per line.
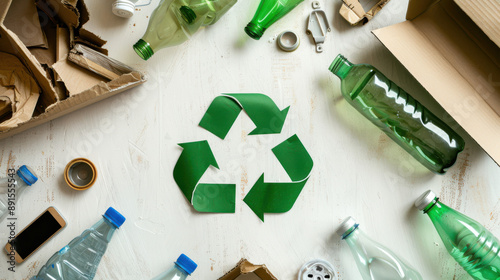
pixel 264 197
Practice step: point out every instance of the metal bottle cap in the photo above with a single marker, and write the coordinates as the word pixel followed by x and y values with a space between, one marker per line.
pixel 80 174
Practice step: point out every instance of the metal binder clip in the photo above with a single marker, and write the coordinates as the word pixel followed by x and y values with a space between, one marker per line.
pixel 317 27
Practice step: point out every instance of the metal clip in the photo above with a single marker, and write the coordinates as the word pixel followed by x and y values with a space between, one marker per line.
pixel 318 23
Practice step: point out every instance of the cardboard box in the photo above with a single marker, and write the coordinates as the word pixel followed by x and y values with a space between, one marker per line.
pixel 452 49
pixel 54 73
pixel 245 270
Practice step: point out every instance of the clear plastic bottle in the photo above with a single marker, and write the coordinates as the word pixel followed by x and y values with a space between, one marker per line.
pixel 175 21
pixel 80 258
pixel 467 241
pixel 374 261
pixel 12 186
pixel 182 268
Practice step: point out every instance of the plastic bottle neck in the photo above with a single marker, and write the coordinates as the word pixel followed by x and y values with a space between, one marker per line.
pixel 21 185
pixel 143 49
pixel 105 229
pixel 353 232
pixel 340 66
pixel 181 270
pixel 434 206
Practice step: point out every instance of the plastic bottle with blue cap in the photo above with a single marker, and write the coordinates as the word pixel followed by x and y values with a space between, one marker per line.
pixel 182 268
pixel 80 258
pixel 12 186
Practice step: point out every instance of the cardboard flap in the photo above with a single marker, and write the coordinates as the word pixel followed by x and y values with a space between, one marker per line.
pixel 486 14
pixel 62 9
pixel 417 7
pixel 4 8
pixel 468 104
pixel 22 19
pixel 245 270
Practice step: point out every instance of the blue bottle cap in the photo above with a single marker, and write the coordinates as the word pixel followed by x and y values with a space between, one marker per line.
pixel 187 264
pixel 27 174
pixel 114 217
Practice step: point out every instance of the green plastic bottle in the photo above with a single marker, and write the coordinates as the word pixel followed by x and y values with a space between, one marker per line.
pixel 174 22
pixel 397 114
pixel 472 246
pixel 268 12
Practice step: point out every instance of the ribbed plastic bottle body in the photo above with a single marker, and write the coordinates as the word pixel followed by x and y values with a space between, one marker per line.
pixel 399 115
pixel 174 273
pixel 175 21
pixel 467 241
pixel 81 257
pixel 6 193
pixel 376 262
pixel 268 12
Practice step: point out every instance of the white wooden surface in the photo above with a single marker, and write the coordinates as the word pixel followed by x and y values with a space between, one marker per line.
pixel 132 139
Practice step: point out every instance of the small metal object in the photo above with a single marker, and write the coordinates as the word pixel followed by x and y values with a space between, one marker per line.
pixel 80 174
pixel 288 41
pixel 316 5
pixel 318 26
pixel 317 270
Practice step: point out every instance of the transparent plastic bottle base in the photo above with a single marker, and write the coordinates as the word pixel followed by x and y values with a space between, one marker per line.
pixel 317 270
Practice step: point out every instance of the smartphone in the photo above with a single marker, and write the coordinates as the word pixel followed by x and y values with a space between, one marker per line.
pixel 33 236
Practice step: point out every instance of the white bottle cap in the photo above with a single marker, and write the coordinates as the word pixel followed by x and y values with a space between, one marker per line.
pixel 348 223
pixel 124 8
pixel 424 200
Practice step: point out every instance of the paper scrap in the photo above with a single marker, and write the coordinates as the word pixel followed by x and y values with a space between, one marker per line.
pixel 274 197
pixel 264 197
pixel 261 109
pixel 17 88
pixel 245 270
pixel 354 13
pixel 194 160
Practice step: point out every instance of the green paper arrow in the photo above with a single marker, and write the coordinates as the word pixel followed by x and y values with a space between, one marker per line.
pixel 194 160
pixel 261 109
pixel 280 197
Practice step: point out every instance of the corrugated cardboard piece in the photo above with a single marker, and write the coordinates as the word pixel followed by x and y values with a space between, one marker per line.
pixel 50 66
pixel 354 13
pixel 452 49
pixel 245 270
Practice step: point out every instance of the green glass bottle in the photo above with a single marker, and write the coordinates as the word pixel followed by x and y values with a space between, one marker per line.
pixel 467 241
pixel 174 21
pixel 268 12
pixel 397 114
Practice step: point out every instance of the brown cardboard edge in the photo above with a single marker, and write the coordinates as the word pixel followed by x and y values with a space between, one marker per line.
pixel 81 100
pixel 244 266
pixel 417 7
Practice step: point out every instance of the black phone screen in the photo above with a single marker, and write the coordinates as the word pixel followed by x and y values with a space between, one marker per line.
pixel 34 235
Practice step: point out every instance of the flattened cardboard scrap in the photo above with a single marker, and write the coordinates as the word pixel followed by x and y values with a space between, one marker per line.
pixel 17 88
pixel 245 270
pixel 75 78
pixel 52 102
pixel 62 48
pixel 97 62
pixel 47 55
pixel 354 13
pixel 22 19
